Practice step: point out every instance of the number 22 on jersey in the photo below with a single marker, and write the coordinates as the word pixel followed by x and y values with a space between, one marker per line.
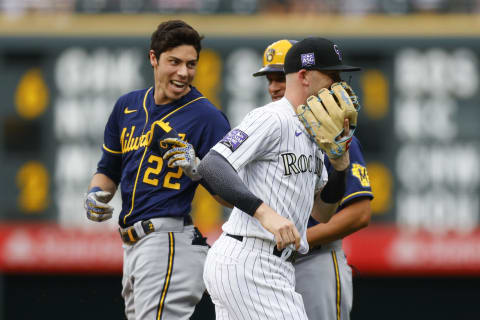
pixel 156 169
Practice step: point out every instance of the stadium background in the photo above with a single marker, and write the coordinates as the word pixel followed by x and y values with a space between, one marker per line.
pixel 64 63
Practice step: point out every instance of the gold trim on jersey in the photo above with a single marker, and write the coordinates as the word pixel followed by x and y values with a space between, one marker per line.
pixel 146 147
pixel 367 193
pixel 143 156
pixel 168 276
pixel 145 107
pixel 110 150
pixel 181 107
pixel 337 282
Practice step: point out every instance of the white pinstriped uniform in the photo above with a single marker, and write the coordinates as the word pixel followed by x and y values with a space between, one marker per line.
pixel 279 164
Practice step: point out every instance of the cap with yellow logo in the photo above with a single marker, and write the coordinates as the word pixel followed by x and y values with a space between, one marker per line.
pixel 274 57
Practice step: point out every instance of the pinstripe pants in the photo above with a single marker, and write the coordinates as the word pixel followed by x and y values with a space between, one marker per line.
pixel 246 281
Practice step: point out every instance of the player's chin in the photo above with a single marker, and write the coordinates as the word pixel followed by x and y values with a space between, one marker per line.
pixel 176 92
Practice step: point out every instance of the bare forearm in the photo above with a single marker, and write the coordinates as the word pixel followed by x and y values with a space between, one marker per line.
pixel 103 182
pixel 350 219
pixel 322 211
pixel 283 229
pixel 327 200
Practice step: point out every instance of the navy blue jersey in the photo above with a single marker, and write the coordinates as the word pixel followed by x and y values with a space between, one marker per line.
pixel 358 184
pixel 149 188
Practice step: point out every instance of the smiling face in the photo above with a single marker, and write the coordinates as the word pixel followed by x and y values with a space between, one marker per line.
pixel 174 71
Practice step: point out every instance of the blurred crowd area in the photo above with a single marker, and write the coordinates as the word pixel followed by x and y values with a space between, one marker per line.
pixel 342 7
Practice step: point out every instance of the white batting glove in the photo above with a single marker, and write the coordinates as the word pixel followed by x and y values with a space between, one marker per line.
pixel 96 205
pixel 183 156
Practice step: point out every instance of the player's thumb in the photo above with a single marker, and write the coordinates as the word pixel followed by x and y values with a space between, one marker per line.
pixel 278 240
pixel 103 196
pixel 297 238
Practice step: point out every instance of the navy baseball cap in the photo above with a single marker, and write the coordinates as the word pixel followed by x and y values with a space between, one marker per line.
pixel 315 54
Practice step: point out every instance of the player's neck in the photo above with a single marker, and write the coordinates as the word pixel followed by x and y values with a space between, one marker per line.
pixel 294 99
pixel 161 98
pixel 295 91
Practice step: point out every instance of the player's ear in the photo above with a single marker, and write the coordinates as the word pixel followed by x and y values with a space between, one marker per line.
pixel 153 58
pixel 302 77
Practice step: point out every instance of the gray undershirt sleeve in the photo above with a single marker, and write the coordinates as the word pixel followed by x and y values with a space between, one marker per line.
pixel 222 179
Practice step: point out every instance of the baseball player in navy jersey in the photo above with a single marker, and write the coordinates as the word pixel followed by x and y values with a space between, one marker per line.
pixel 324 279
pixel 163 253
pixel 274 175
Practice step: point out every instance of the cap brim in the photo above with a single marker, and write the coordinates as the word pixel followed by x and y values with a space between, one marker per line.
pixel 268 69
pixel 340 67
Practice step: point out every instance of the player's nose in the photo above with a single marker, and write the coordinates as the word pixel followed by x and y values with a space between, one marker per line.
pixel 182 70
pixel 276 89
pixel 274 85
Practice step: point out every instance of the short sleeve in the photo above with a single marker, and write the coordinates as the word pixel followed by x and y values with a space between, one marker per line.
pixel 111 136
pixel 253 139
pixel 218 126
pixel 111 161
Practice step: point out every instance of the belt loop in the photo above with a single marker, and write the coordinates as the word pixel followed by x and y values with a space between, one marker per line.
pixel 187 220
pixel 130 235
pixel 139 229
pixel 147 226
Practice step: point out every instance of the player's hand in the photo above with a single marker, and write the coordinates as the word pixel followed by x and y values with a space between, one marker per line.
pixel 283 229
pixel 96 205
pixel 182 155
pixel 343 161
pixel 323 117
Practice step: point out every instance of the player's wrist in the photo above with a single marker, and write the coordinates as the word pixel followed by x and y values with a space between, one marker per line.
pixel 94 189
pixel 341 163
pixel 335 187
pixel 194 174
pixel 261 211
pixel 253 207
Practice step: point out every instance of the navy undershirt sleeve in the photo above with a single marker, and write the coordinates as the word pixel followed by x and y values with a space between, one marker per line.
pixel 335 187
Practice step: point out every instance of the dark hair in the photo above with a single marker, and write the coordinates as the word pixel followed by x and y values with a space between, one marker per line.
pixel 174 33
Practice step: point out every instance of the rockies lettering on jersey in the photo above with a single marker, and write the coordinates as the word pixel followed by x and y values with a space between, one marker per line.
pixel 303 163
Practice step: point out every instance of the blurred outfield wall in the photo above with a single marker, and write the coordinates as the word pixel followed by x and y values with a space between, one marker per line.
pixel 61 75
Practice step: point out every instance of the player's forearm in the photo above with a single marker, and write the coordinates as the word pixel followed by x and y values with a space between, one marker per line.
pixel 345 222
pixel 103 182
pixel 322 211
pixel 222 202
pixel 335 188
pixel 327 201
pixel 224 181
pixel 283 229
